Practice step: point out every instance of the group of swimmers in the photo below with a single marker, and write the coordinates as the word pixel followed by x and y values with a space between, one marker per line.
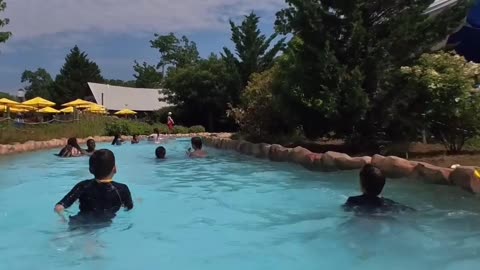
pixel 100 198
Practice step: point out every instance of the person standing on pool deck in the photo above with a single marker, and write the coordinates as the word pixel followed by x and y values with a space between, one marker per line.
pixel 170 122
pixel 100 198
pixel 372 182
pixel 197 149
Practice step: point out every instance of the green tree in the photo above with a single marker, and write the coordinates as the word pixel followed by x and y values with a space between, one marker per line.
pixel 147 76
pixel 254 52
pixel 345 54
pixel 174 51
pixel 123 83
pixel 76 73
pixel 7 95
pixel 201 91
pixel 4 36
pixel 445 84
pixel 260 115
pixel 40 83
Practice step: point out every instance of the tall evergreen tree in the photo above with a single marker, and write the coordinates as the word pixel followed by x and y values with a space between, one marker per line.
pixel 346 53
pixel 253 50
pixel 4 36
pixel 76 73
pixel 40 83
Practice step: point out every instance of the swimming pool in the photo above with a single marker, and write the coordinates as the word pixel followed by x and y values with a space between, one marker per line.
pixel 228 212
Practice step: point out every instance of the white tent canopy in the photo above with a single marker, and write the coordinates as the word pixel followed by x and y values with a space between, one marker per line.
pixel 118 98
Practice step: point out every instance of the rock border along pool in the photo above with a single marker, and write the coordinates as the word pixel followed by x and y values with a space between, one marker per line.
pixel 391 166
pixel 29 146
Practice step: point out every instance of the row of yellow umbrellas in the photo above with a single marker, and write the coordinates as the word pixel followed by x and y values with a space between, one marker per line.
pixel 44 106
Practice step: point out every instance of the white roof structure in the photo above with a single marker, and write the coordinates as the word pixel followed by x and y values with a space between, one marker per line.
pixel 440 5
pixel 119 98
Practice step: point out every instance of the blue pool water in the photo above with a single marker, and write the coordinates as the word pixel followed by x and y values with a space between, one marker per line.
pixel 228 212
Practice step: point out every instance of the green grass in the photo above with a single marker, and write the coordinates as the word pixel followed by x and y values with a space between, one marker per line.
pixel 42 132
pixel 96 126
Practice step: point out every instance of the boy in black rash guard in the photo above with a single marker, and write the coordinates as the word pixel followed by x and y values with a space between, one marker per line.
pixel 100 198
pixel 372 182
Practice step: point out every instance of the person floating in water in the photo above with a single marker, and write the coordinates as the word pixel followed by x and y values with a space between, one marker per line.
pixel 197 149
pixel 117 140
pixel 135 139
pixel 160 152
pixel 100 198
pixel 72 149
pixel 372 182
pixel 170 122
pixel 90 147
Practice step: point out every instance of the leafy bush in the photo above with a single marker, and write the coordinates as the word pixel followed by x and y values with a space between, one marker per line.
pixel 127 127
pixel 260 116
pixel 444 85
pixel 196 129
pixel 181 130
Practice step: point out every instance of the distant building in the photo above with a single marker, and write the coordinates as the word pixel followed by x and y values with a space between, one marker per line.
pixel 116 98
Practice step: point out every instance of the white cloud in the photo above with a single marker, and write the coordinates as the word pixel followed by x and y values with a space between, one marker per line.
pixel 31 19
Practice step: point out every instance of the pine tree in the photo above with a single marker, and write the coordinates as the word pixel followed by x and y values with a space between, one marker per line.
pixel 253 53
pixel 76 73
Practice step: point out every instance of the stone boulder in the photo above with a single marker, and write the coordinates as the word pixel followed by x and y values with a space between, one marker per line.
pixel 465 178
pixel 300 155
pixel 314 162
pixel 432 174
pixel 394 167
pixel 263 150
pixel 329 161
pixel 351 163
pixel 279 153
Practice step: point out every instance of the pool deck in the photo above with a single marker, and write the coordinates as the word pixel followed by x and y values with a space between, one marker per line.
pixel 391 166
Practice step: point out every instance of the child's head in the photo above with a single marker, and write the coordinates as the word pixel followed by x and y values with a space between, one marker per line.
pixel 73 142
pixel 102 164
pixel 372 180
pixel 91 144
pixel 197 143
pixel 160 152
pixel 135 136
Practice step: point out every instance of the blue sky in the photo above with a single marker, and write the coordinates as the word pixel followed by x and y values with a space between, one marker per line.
pixel 114 33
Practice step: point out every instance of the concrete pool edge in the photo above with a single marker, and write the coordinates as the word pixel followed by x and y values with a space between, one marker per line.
pixel 30 146
pixel 391 166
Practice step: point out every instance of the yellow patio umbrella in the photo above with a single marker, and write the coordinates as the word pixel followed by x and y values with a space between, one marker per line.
pixel 48 110
pixel 6 101
pixel 95 108
pixel 76 103
pixel 21 106
pixel 67 110
pixel 125 112
pixel 18 110
pixel 38 102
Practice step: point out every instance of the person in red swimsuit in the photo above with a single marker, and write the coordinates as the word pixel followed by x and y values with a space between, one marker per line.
pixel 170 122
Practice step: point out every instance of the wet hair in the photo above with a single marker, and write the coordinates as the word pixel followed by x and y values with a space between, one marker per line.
pixel 73 143
pixel 135 136
pixel 197 142
pixel 372 180
pixel 160 152
pixel 102 163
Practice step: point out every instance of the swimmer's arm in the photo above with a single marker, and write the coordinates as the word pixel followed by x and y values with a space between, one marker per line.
pixel 70 198
pixel 128 202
